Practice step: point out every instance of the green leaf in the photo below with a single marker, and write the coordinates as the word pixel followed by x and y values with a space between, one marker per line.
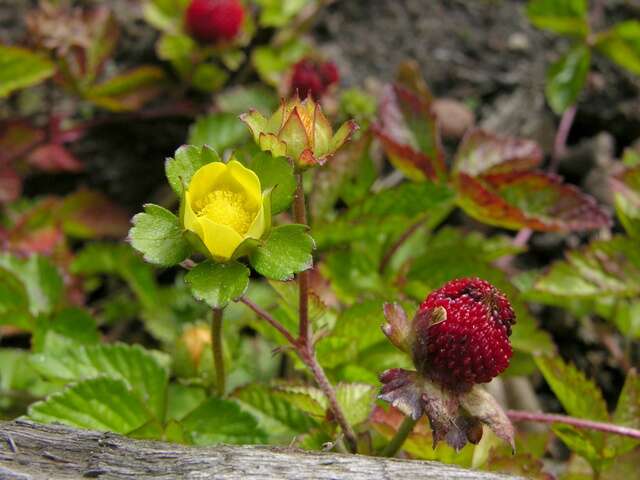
pixel 218 283
pixel 389 212
pixel 186 161
pixel 166 15
pixel 626 190
pixel 566 17
pixel 208 77
pixel 182 400
pixel 40 278
pixel 277 13
pixel 272 62
pixel 627 414
pixel 579 396
pixel 308 399
pixel 242 98
pixel 158 235
pixel 273 172
pixel 177 49
pixel 566 78
pixel 101 403
pixel 122 261
pixel 285 252
pixel 275 415
pixel 91 214
pixel 219 131
pixel 139 369
pixel 356 400
pixel 129 90
pixel 579 442
pixel 21 68
pixel 604 267
pixel 71 326
pixel 17 375
pixel 14 302
pixel 221 421
pixel 622 45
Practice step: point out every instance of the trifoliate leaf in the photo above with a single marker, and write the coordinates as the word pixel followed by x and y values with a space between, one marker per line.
pixel 218 283
pixel 285 252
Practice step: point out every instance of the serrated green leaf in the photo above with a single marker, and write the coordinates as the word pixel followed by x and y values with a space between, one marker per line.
pixel 275 415
pixel 166 15
pixel 579 442
pixel 604 267
pixel 276 173
pixel 218 283
pixel 389 212
pixel 306 398
pixel 187 160
pixel 101 403
pixel 579 396
pixel 40 278
pixel 71 326
pixel 356 400
pixel 566 17
pixel 158 235
pixel 622 45
pixel 285 252
pixel 219 131
pixel 21 68
pixel 17 375
pixel 221 421
pixel 566 78
pixel 627 414
pixel 139 369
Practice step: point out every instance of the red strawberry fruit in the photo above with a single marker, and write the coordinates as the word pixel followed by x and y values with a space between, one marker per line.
pixel 312 78
pixel 212 21
pixel 462 334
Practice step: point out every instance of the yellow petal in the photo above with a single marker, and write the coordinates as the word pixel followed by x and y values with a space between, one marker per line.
pixel 190 220
pixel 259 225
pixel 205 179
pixel 220 240
pixel 248 182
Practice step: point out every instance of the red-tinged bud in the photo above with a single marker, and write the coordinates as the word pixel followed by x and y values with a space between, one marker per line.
pixel 213 21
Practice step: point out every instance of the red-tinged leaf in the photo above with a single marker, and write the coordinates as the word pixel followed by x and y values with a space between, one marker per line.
pixel 36 230
pixel 90 214
pixel 482 152
pixel 54 158
pixel 533 200
pixel 521 464
pixel 17 138
pixel 10 184
pixel 409 133
pixel 129 90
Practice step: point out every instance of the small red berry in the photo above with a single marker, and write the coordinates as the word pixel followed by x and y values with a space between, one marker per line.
pixel 468 341
pixel 211 21
pixel 312 78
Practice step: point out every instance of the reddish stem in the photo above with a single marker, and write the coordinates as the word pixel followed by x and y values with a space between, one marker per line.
pixel 300 215
pixel 522 416
pixel 560 141
pixel 270 320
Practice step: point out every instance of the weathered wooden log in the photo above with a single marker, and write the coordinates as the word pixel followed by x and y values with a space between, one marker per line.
pixel 30 451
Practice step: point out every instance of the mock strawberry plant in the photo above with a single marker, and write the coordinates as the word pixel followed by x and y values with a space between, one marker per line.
pixel 321 268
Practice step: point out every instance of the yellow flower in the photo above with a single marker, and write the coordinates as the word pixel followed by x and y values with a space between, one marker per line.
pixel 298 130
pixel 224 206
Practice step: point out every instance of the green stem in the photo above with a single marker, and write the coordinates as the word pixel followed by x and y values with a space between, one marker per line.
pixel 398 440
pixel 216 346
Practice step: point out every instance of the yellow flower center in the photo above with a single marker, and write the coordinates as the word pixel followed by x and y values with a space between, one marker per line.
pixel 226 208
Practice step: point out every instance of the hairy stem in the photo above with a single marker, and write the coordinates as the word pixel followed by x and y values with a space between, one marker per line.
pixel 270 320
pixel 300 215
pixel 398 439
pixel 560 141
pixel 216 347
pixel 522 416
